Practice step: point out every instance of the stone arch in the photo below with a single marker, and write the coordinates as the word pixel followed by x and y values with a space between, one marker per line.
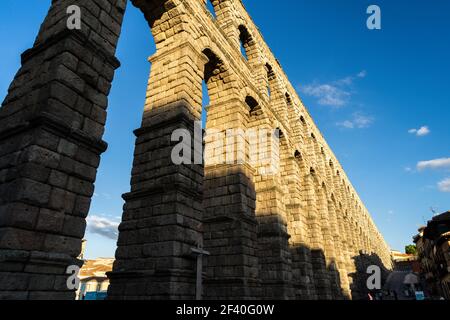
pixel 302 120
pixel 295 126
pixel 216 74
pixel 281 135
pixel 157 13
pixel 314 152
pixel 255 109
pixel 324 168
pixel 247 91
pixel 300 126
pixel 289 101
pixel 270 81
pixel 249 46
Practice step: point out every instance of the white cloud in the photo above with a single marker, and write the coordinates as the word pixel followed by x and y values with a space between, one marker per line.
pixel 443 163
pixel 421 132
pixel 327 94
pixel 334 94
pixel 358 121
pixel 103 226
pixel 346 124
pixel 444 185
pixel 362 74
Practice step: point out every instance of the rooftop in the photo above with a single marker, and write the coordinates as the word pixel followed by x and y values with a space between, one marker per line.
pixel 96 268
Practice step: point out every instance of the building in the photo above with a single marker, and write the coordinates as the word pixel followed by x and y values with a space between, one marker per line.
pixel 433 248
pixel 405 262
pixel 93 280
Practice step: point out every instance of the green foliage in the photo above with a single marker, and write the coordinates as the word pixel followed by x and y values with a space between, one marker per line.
pixel 411 249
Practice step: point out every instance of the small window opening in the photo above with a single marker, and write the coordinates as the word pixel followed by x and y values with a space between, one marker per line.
pixel 245 42
pixel 255 108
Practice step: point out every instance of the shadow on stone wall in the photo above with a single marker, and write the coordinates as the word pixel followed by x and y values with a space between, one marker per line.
pixel 359 284
pixel 230 233
pixel 172 209
pixel 251 256
pixel 313 277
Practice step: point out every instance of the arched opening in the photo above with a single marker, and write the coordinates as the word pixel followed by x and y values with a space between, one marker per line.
pixel 279 133
pixel 247 45
pixel 212 91
pixel 289 102
pixel 113 176
pixel 214 74
pixel 205 103
pixel 212 67
pixel 255 108
pixel 302 120
pixel 271 78
pixel 156 97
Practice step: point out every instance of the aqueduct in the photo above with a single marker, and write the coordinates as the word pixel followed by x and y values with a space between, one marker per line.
pixel 295 234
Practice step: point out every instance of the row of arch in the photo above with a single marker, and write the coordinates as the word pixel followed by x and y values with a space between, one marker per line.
pixel 248 45
pixel 256 109
pixel 272 100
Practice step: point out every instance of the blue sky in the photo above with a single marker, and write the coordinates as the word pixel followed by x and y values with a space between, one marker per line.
pixel 381 98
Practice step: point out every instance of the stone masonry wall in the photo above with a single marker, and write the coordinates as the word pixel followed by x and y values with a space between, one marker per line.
pixel 294 233
pixel 51 128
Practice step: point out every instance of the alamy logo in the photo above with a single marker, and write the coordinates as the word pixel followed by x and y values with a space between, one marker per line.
pixel 74 20
pixel 73 282
pixel 374 280
pixel 374 20
pixel 258 147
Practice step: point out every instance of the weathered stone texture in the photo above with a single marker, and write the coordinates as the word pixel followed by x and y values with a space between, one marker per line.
pixel 289 234
pixel 51 125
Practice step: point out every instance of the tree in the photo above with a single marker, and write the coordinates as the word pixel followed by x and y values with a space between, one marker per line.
pixel 411 249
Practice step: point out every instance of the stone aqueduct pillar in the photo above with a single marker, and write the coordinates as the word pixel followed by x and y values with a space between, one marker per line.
pixel 286 235
pixel 162 218
pixel 229 223
pixel 51 128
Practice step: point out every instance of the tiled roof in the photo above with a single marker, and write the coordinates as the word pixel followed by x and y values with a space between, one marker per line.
pixel 96 268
